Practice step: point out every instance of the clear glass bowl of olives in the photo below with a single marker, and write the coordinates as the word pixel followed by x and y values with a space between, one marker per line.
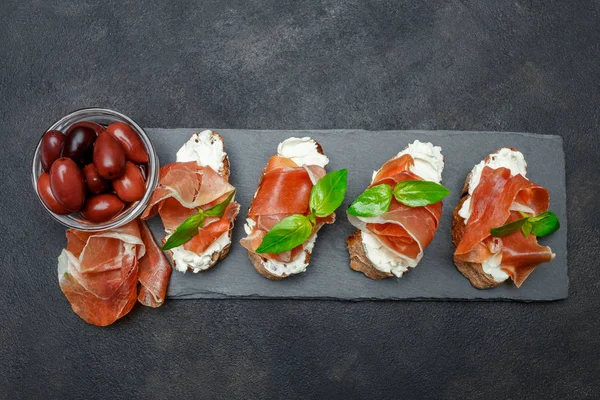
pixel 95 169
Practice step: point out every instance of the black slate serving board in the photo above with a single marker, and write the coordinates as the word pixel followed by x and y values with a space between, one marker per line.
pixel 329 275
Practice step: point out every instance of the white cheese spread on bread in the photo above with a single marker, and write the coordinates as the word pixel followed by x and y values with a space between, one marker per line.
pixel 206 148
pixel 302 151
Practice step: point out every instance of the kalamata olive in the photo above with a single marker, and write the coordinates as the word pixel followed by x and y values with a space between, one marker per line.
pixel 102 207
pixel 131 142
pixel 43 188
pixel 109 156
pixel 52 144
pixel 96 127
pixel 93 180
pixel 130 186
pixel 67 185
pixel 79 144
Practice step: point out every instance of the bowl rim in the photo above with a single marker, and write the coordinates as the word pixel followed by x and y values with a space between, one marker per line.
pixel 130 214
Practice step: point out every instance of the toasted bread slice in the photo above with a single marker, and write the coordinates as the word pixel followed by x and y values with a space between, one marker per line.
pixel 259 262
pixel 472 271
pixel 359 260
pixel 217 255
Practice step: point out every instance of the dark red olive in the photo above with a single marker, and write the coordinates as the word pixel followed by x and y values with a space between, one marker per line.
pixel 130 186
pixel 67 185
pixel 109 156
pixel 79 144
pixel 131 142
pixel 52 144
pixel 43 188
pixel 96 127
pixel 102 207
pixel 93 180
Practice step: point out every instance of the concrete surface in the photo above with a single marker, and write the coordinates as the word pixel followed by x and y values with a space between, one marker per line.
pixel 529 66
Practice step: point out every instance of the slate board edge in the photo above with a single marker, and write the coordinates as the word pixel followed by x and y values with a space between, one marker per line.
pixel 415 131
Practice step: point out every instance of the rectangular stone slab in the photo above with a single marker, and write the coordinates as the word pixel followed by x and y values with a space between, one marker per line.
pixel 329 275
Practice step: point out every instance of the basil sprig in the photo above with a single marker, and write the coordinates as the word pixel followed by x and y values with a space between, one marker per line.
pixel 325 197
pixel 419 193
pixel 376 200
pixel 541 225
pixel 189 228
pixel 288 233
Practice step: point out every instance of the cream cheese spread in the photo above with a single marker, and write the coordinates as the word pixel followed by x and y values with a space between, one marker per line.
pixel 302 151
pixel 206 148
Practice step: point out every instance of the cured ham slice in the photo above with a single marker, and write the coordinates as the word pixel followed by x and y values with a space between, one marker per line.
pixel 98 272
pixel 492 205
pixel 154 271
pixel 403 230
pixel 185 187
pixel 284 190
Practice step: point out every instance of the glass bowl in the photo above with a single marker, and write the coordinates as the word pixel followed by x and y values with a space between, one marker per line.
pixel 104 117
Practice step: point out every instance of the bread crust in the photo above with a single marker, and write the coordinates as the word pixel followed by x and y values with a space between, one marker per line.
pixel 259 265
pixel 217 255
pixel 472 271
pixel 359 260
pixel 259 261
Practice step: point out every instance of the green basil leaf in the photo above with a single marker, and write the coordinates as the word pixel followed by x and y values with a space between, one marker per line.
pixel 372 202
pixel 414 193
pixel 219 209
pixel 288 233
pixel 508 229
pixel 329 192
pixel 186 231
pixel 526 228
pixel 544 224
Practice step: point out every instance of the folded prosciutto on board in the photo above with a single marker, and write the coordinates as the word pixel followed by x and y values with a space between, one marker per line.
pixel 497 221
pixel 294 199
pixel 397 216
pixel 99 272
pixel 196 204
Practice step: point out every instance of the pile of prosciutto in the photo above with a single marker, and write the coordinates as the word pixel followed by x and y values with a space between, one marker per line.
pixel 99 272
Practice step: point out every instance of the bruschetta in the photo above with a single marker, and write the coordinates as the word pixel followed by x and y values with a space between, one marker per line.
pixel 196 204
pixel 290 207
pixel 399 213
pixel 497 221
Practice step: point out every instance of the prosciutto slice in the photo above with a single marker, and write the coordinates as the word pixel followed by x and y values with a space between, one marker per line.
pixel 492 202
pixel 183 188
pixel 406 231
pixel 154 271
pixel 284 190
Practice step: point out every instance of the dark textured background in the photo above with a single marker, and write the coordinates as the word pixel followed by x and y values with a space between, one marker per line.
pixel 417 64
